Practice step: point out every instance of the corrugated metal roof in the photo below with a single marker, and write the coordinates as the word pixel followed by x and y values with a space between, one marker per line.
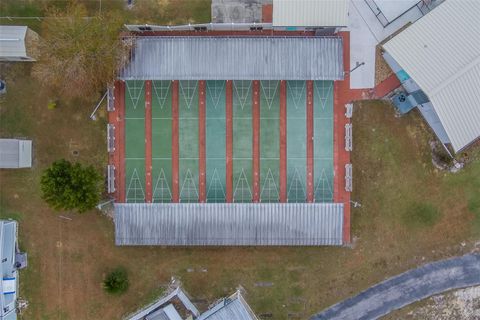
pixel 12 41
pixel 231 308
pixel 15 153
pixel 229 224
pixel 8 240
pixel 236 58
pixel 310 13
pixel 441 52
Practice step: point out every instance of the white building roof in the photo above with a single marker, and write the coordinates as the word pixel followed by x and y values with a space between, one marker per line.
pixel 441 52
pixel 12 41
pixel 310 13
pixel 8 280
pixel 15 153
pixel 229 224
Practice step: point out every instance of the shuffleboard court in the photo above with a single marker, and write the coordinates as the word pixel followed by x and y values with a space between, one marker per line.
pixel 296 141
pixel 323 140
pixel 162 141
pixel 135 141
pixel 269 140
pixel 188 140
pixel 242 141
pixel 215 140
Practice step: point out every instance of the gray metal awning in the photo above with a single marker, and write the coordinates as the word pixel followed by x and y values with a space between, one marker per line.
pixel 229 224
pixel 235 58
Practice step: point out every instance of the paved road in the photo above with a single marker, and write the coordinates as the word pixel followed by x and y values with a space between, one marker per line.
pixel 406 288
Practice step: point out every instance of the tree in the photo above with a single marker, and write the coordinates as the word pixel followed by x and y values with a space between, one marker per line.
pixel 79 55
pixel 116 281
pixel 70 186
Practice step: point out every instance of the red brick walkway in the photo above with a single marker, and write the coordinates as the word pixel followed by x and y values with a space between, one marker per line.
pixel 117 118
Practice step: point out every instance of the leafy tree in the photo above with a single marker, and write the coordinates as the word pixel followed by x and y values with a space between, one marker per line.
pixel 79 55
pixel 70 186
pixel 116 281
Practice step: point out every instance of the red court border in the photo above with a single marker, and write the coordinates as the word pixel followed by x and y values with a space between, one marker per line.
pixel 256 140
pixel 175 155
pixel 148 141
pixel 201 142
pixel 342 96
pixel 229 140
pixel 117 118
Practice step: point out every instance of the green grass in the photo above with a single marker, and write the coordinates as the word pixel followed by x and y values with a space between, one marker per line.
pixel 421 215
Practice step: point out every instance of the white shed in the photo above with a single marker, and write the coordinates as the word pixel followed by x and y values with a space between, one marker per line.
pixel 310 13
pixel 14 43
pixel 15 153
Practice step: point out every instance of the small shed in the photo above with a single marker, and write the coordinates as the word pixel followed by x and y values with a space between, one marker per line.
pixel 310 13
pixel 17 43
pixel 15 153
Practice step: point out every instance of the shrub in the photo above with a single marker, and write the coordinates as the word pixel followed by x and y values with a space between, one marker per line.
pixel 116 281
pixel 421 215
pixel 70 186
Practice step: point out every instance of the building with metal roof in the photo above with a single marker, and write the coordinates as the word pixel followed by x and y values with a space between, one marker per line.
pixel 441 54
pixel 229 224
pixel 13 43
pixel 177 306
pixel 15 153
pixel 12 260
pixel 310 13
pixel 236 58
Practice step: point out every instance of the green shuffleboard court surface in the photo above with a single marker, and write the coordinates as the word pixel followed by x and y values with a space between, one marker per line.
pixel 242 141
pixel 135 141
pixel 162 141
pixel 296 141
pixel 269 140
pixel 188 140
pixel 215 140
pixel 323 140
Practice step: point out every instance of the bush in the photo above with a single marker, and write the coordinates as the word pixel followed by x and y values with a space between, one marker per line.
pixel 116 281
pixel 421 215
pixel 70 186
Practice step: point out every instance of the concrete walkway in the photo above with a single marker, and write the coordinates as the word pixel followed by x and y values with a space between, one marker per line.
pixel 406 288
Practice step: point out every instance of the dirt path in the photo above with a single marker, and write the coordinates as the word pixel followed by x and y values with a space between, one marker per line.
pixel 406 288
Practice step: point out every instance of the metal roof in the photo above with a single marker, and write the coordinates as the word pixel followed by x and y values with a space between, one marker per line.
pixel 229 224
pixel 8 238
pixel 235 58
pixel 12 41
pixel 231 308
pixel 441 52
pixel 310 13
pixel 15 153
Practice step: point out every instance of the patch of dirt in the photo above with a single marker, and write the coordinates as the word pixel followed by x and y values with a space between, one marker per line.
pixel 382 69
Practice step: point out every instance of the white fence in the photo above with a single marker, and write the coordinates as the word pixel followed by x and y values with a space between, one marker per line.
pixel 348 177
pixel 110 99
pixel 348 137
pixel 110 138
pixel 111 178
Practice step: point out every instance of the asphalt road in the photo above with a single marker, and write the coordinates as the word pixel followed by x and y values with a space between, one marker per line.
pixel 406 288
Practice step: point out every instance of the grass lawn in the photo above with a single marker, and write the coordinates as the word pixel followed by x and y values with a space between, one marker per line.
pixel 69 258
